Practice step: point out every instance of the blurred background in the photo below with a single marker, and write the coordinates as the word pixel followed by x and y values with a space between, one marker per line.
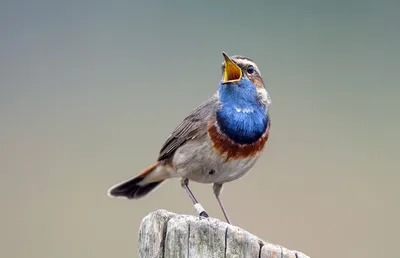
pixel 90 90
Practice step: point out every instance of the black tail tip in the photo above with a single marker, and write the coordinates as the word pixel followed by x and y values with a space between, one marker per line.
pixel 131 189
pixel 117 193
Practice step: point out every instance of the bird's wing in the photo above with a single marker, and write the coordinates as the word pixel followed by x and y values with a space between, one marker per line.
pixel 193 126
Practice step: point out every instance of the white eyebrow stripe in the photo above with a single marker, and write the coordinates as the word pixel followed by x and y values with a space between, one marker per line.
pixel 246 62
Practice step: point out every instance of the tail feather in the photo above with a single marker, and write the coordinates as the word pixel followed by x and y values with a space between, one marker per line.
pixel 139 186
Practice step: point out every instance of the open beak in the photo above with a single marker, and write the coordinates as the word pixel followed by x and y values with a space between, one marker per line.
pixel 232 72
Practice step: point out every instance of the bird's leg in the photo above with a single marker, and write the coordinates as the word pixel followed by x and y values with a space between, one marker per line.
pixel 200 210
pixel 217 191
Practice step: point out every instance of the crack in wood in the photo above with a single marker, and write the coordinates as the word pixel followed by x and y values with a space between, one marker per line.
pixel 261 246
pixel 188 241
pixel 226 241
pixel 165 229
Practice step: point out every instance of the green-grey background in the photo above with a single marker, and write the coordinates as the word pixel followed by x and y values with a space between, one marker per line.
pixel 89 91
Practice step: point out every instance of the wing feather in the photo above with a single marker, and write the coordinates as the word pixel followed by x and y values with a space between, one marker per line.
pixel 193 126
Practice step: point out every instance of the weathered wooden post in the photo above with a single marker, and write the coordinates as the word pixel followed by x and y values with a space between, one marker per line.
pixel 164 234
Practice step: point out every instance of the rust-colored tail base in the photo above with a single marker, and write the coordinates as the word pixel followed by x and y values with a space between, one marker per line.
pixel 135 188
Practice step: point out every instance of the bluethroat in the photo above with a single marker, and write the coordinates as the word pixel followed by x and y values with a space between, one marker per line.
pixel 217 142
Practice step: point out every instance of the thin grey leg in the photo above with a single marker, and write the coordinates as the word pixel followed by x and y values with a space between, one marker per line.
pixel 200 210
pixel 217 191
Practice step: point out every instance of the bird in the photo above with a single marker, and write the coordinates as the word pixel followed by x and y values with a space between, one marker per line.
pixel 217 142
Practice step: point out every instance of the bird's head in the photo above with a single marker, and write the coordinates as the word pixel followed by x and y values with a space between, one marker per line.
pixel 236 68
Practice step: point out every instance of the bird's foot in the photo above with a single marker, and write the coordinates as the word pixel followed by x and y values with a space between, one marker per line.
pixel 201 211
pixel 204 214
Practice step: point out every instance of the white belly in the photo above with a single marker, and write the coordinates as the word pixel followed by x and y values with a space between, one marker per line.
pixel 233 169
pixel 197 160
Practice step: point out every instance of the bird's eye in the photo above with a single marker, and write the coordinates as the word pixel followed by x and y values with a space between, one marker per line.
pixel 250 69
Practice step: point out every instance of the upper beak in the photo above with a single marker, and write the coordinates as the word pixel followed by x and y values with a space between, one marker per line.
pixel 232 72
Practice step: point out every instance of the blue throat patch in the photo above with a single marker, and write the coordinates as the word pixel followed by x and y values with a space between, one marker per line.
pixel 242 117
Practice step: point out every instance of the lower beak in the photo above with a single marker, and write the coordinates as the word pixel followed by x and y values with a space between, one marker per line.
pixel 232 72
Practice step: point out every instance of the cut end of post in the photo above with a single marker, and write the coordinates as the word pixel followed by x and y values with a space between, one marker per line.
pixel 166 234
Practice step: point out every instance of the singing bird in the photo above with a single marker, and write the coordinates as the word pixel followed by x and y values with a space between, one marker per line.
pixel 217 142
